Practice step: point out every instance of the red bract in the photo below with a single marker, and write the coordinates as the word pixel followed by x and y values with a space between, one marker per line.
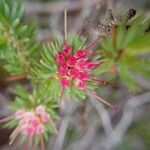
pixel 67 49
pixel 71 61
pixel 63 70
pixel 80 54
pixel 60 59
pixel 81 84
pixel 83 76
pixel 65 81
pixel 74 73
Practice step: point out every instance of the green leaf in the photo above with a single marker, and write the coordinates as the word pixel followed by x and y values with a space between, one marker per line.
pixel 140 45
pixel 127 77
pixel 103 68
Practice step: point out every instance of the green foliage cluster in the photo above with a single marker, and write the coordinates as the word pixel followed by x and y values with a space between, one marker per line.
pixel 45 71
pixel 17 41
pixel 127 51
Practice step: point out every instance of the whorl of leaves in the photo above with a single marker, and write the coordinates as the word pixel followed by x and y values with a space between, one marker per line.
pixel 17 41
pixel 44 72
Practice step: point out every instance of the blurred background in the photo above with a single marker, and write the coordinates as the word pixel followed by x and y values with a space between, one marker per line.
pixel 88 125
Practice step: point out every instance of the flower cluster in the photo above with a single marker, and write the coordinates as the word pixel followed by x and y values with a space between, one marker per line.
pixel 68 68
pixel 75 67
pixel 32 123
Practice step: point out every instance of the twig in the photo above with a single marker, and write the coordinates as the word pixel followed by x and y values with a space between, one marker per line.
pixel 104 115
pixel 62 133
pixel 117 134
pixel 16 77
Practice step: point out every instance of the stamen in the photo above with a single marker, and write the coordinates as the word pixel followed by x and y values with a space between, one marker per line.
pixel 27 143
pixel 92 44
pixel 14 135
pixel 102 100
pixel 93 53
pixel 42 142
pixel 65 24
pixel 103 82
pixel 6 119
pixel 100 81
pixel 54 48
pixel 34 143
pixel 53 125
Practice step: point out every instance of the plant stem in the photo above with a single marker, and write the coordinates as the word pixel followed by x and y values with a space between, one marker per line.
pixel 16 77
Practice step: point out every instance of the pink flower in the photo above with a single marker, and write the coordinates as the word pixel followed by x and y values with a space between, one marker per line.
pixel 63 70
pixel 65 81
pixel 80 84
pixel 67 49
pixel 80 54
pixel 74 73
pixel 83 76
pixel 60 59
pixel 71 61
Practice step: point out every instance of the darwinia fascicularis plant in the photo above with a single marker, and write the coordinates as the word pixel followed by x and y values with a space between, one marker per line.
pixel 68 68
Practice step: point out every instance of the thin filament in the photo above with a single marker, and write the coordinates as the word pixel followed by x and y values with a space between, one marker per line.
pixel 34 144
pixel 14 135
pixel 53 125
pixel 42 142
pixel 27 143
pixel 6 119
pixel 65 24
pixel 92 44
pixel 99 98
pixel 54 48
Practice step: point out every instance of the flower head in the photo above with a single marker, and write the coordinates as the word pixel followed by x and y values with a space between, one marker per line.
pixel 74 67
pixel 31 123
pixel 71 67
